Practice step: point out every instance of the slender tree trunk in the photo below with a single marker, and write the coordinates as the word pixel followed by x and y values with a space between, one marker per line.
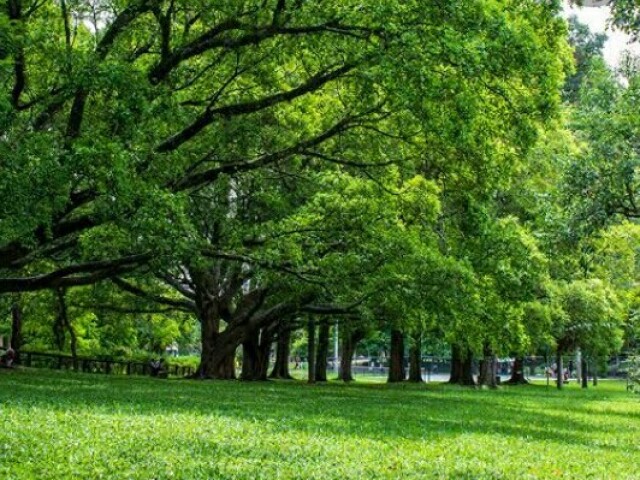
pixel 311 354
pixel 396 358
pixel 456 364
pixel 73 342
pixel 415 358
pixel 283 346
pixel 595 372
pixel 16 330
pixel 62 324
pixel 585 371
pixel 559 370
pixel 323 352
pixel 517 373
pixel 349 344
pixel 60 321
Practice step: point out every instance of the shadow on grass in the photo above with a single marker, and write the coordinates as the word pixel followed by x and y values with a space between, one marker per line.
pixel 413 412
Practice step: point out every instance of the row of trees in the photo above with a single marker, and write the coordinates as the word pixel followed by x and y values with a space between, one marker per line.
pixel 255 168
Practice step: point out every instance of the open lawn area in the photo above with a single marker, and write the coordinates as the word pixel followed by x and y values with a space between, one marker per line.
pixel 56 426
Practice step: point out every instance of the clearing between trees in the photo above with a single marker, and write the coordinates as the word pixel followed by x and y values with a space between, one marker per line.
pixel 56 425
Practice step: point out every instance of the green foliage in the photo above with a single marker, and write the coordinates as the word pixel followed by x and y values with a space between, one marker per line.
pixel 633 373
pixel 588 315
pixel 57 425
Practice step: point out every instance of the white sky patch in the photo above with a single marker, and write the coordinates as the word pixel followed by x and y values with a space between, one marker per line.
pixel 596 18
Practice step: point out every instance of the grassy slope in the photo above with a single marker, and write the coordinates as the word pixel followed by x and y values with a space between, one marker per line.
pixel 57 426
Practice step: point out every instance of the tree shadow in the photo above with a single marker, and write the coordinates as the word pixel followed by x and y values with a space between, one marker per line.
pixel 382 412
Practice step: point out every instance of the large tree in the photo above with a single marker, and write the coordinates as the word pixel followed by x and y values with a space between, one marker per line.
pixel 115 112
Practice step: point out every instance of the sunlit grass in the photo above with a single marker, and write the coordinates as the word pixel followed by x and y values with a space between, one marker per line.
pixel 57 426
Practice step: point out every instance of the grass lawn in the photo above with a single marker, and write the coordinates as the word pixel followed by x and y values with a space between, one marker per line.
pixel 56 426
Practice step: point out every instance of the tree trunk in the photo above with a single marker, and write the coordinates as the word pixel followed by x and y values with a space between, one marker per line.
pixel 349 343
pixel 517 373
pixel 456 364
pixel 283 346
pixel 415 359
pixel 396 358
pixel 311 354
pixel 255 355
pixel 60 321
pixel 73 343
pixel 559 370
pixel 250 359
pixel 467 370
pixel 488 372
pixel 585 371
pixel 322 352
pixel 16 330
pixel 595 372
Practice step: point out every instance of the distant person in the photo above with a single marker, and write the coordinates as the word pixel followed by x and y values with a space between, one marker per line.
pixel 297 363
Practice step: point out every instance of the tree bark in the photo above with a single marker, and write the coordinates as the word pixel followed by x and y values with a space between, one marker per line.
pixel 415 359
pixel 322 352
pixel 585 371
pixel 456 364
pixel 467 370
pixel 16 330
pixel 311 354
pixel 488 372
pixel 349 343
pixel 559 370
pixel 396 358
pixel 283 347
pixel 517 373
pixel 63 324
pixel 217 359
pixel 60 321
pixel 255 355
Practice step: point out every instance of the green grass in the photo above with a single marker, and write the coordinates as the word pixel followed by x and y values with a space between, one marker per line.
pixel 57 426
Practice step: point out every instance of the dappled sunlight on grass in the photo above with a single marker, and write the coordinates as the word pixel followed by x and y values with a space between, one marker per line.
pixel 57 425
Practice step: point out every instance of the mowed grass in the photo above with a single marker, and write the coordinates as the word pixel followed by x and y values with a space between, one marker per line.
pixel 56 426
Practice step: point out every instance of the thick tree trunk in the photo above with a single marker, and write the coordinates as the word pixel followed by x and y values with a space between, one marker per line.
pixel 559 370
pixel 311 353
pixel 415 359
pixel 255 355
pixel 456 364
pixel 322 352
pixel 283 346
pixel 517 374
pixel 488 371
pixel 396 358
pixel 585 371
pixel 467 370
pixel 349 344
pixel 16 330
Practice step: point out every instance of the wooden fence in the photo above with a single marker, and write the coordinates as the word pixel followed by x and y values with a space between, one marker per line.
pixel 106 366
